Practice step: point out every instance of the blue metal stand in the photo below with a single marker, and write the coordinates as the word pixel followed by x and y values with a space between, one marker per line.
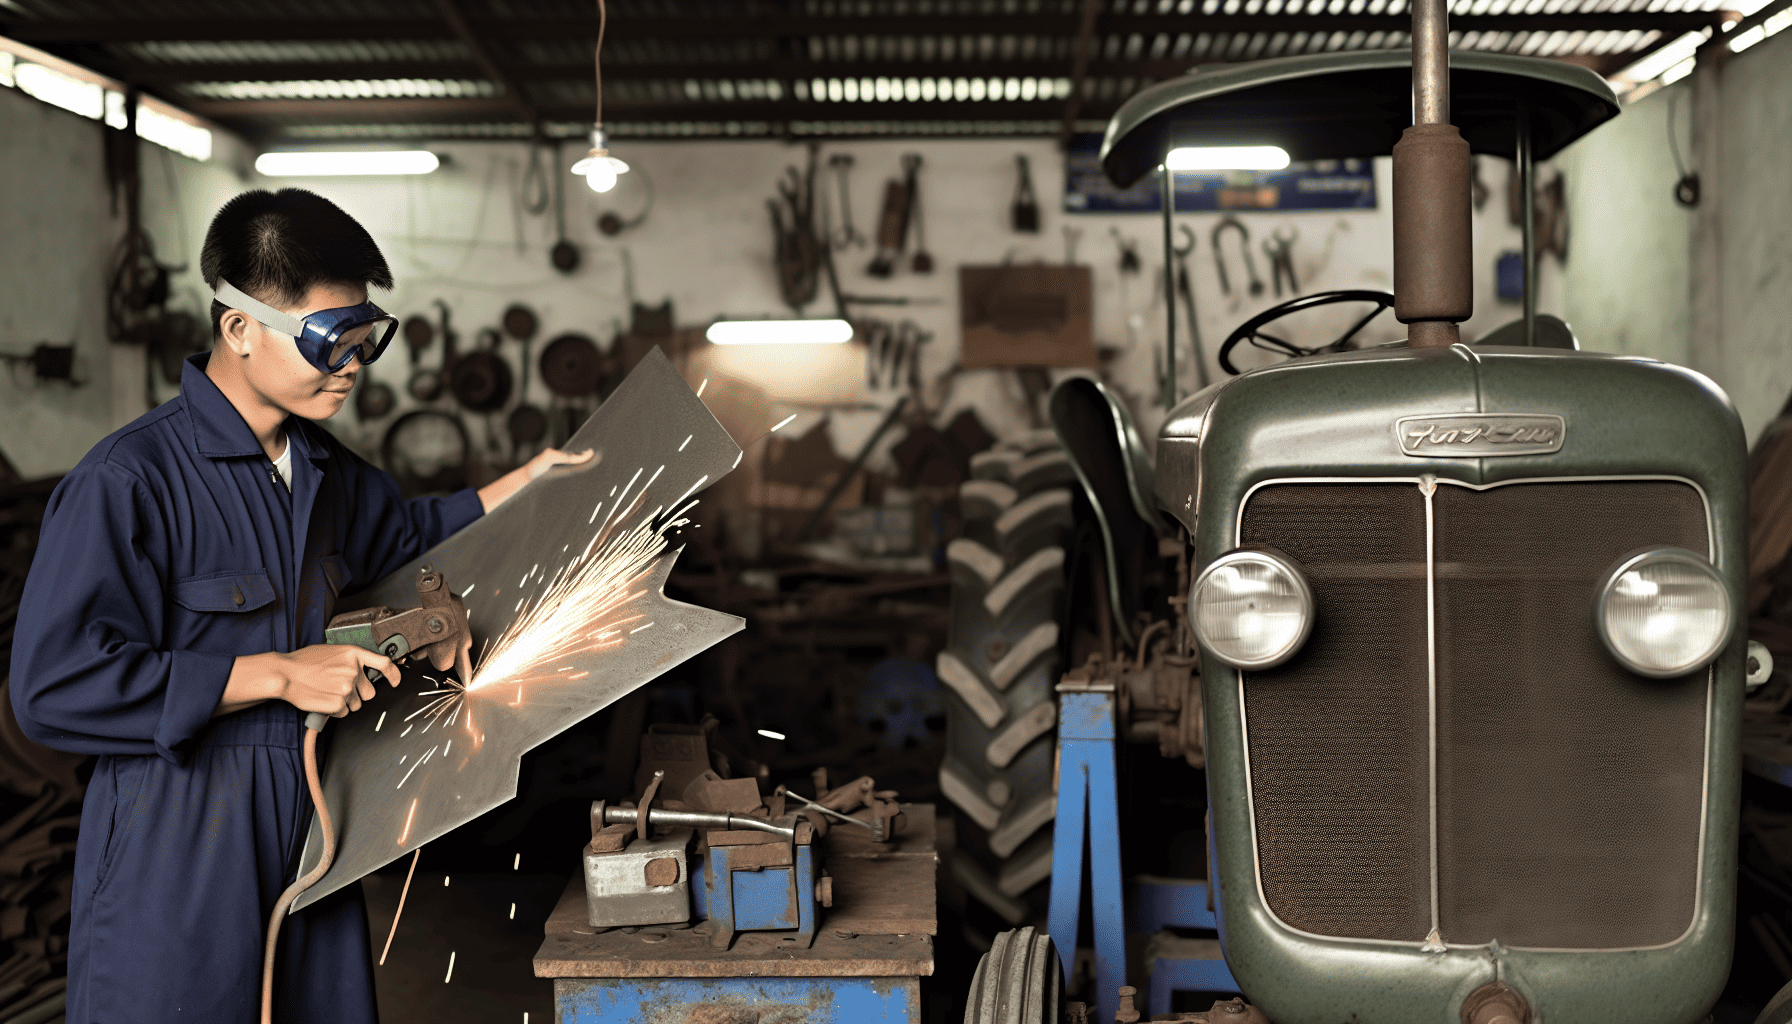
pixel 1159 903
pixel 1088 805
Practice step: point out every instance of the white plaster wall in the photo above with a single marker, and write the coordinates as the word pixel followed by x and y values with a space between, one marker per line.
pixel 1625 284
pixel 60 231
pixel 1753 196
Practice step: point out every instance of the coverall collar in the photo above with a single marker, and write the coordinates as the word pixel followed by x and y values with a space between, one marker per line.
pixel 219 430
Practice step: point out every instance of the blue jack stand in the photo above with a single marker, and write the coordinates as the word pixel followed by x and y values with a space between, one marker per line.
pixel 1088 793
pixel 1088 806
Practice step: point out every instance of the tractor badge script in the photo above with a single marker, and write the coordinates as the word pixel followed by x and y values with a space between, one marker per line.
pixel 1479 436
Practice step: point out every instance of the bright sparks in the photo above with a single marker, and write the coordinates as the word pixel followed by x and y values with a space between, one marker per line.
pixel 586 606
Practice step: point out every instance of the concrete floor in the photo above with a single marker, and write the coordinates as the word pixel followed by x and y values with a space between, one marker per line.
pixel 470 919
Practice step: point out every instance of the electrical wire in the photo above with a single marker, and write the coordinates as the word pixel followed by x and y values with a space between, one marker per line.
pixel 1686 189
pixel 597 61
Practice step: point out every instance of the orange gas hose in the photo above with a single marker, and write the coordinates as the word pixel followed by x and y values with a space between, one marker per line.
pixel 310 878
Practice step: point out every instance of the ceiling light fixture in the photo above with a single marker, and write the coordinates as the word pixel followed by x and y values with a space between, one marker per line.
pixel 599 167
pixel 318 163
pixel 779 332
pixel 1227 158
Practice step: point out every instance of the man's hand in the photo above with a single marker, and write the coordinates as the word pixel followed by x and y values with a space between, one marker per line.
pixel 498 491
pixel 326 678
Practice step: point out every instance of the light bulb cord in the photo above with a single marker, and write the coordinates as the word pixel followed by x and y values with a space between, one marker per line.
pixel 597 61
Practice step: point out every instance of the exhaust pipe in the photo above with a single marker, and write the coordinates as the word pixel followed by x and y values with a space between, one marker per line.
pixel 1434 288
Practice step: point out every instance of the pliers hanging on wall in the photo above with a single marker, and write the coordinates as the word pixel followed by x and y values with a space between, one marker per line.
pixel 1279 247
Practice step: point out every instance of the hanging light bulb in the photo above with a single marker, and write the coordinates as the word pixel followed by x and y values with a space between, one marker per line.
pixel 599 167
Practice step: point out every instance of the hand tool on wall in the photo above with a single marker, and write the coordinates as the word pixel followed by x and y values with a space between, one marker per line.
pixel 797 251
pixel 1186 288
pixel 1129 252
pixel 1279 247
pixel 892 224
pixel 922 263
pixel 1025 213
pixel 848 236
pixel 1244 243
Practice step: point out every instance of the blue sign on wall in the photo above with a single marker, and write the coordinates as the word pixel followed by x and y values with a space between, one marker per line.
pixel 1319 185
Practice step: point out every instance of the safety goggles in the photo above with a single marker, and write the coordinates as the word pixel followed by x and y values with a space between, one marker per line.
pixel 328 338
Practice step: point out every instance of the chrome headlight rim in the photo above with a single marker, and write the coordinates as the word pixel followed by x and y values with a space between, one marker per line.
pixel 1681 556
pixel 1259 555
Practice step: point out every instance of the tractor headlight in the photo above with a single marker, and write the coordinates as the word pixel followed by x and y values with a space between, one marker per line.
pixel 1251 609
pixel 1664 612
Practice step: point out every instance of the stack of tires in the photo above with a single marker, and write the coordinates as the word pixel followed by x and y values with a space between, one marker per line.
pixel 1002 666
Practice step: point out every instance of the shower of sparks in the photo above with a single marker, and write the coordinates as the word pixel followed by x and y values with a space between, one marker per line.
pixel 687 440
pixel 701 386
pixel 517 863
pixel 770 735
pixel 584 606
pixel 469 589
pixel 513 911
pixel 450 976
pixel 782 423
pixel 444 881
pixel 382 721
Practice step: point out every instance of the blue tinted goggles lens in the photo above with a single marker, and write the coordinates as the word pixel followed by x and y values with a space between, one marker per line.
pixel 328 338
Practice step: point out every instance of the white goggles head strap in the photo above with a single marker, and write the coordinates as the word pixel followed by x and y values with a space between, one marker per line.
pixel 269 317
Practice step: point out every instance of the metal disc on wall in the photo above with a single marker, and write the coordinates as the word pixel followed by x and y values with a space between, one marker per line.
pixel 572 366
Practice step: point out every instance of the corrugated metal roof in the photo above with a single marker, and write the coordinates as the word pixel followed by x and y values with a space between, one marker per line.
pixel 304 68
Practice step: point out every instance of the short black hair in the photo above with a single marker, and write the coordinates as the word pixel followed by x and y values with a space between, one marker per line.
pixel 278 245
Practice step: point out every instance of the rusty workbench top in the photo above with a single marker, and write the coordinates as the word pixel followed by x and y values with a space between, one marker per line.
pixel 881 924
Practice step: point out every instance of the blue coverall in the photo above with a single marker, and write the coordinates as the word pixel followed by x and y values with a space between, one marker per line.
pixel 170 550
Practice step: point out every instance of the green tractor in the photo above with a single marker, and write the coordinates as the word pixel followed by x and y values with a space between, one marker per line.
pixel 1457 627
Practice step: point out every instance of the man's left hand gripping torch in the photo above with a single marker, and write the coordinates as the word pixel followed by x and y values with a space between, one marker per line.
pixel 438 628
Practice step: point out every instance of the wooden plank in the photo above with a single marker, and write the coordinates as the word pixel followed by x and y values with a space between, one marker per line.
pixel 674 952
pixel 882 897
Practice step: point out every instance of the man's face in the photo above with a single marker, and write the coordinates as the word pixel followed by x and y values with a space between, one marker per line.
pixel 282 376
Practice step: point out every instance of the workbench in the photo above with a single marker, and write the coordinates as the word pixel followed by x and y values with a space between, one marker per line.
pixel 871 950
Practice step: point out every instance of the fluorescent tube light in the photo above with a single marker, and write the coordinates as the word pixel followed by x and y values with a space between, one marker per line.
pixel 321 164
pixel 779 332
pixel 1227 158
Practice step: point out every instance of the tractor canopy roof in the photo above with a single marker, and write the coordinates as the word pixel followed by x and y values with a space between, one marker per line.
pixel 1327 106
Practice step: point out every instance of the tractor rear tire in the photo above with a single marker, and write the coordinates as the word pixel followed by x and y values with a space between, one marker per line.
pixel 1002 666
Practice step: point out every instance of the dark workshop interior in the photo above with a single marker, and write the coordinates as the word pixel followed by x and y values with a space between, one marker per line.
pixel 1346 590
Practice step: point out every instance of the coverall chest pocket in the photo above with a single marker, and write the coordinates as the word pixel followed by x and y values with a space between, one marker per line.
pixel 224 612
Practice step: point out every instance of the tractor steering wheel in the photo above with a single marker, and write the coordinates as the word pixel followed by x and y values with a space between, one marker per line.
pixel 1252 328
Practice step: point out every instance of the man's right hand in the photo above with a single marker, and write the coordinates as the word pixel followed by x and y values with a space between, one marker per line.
pixel 326 678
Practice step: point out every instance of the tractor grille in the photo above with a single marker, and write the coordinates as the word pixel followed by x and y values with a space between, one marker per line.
pixel 1568 790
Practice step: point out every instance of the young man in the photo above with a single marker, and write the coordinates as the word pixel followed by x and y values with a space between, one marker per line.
pixel 173 624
